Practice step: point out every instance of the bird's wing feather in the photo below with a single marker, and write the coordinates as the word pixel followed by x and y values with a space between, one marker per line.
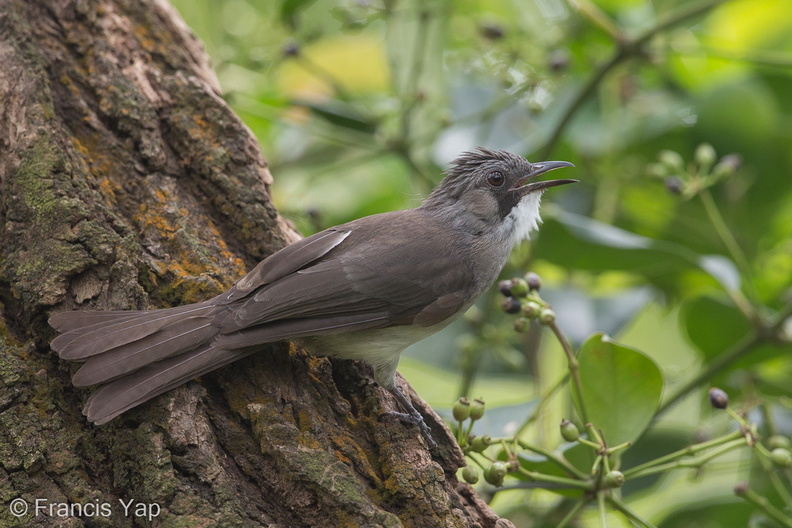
pixel 369 275
pixel 287 260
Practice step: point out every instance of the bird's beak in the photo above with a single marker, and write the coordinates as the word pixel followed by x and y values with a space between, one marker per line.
pixel 541 168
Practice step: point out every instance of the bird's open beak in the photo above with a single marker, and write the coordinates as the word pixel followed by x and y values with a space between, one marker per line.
pixel 541 168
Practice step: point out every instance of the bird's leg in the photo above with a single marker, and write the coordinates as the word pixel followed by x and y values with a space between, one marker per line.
pixel 412 415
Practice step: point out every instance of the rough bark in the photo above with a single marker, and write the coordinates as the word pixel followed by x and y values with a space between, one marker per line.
pixel 127 182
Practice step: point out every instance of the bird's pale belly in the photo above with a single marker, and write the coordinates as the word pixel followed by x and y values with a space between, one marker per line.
pixel 380 347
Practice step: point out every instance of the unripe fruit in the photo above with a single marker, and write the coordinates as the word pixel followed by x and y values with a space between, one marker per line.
pixel 569 431
pixel 461 410
pixel 531 309
pixel 495 473
pixel 477 409
pixel 547 316
pixel 777 441
pixel 519 287
pixel 470 474
pixel 672 160
pixel 480 443
pixel 705 156
pixel 614 479
pixel 781 457
pixel 521 325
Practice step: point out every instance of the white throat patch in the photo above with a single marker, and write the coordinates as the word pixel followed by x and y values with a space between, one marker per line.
pixel 523 218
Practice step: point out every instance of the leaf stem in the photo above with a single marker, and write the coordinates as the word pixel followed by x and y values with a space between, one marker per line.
pixel 574 371
pixel 763 504
pixel 765 333
pixel 560 461
pixel 734 249
pixel 627 512
pixel 543 402
pixel 572 513
pixel 638 471
pixel 562 481
pixel 601 507
pixel 695 463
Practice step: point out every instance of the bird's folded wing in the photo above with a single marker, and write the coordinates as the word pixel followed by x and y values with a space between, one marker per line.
pixel 286 261
pixel 363 284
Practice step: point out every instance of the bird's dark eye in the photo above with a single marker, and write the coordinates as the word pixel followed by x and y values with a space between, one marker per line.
pixel 495 178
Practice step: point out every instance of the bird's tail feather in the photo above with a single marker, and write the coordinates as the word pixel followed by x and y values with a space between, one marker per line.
pixel 136 356
pixel 88 333
pixel 125 393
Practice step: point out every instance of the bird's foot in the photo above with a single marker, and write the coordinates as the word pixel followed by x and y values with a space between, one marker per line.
pixel 412 417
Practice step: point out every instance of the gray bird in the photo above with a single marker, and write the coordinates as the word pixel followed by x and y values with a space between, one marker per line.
pixel 364 290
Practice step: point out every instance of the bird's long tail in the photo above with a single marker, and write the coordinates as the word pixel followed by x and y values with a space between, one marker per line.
pixel 136 356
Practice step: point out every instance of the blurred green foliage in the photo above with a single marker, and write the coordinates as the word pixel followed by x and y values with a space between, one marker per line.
pixel 678 241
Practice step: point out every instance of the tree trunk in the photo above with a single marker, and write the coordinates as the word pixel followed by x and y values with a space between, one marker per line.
pixel 127 182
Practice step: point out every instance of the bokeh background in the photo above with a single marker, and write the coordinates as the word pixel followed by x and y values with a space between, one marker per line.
pixel 677 242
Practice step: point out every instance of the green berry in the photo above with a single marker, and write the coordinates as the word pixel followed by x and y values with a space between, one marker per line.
pixel 547 316
pixel 531 309
pixel 614 479
pixel 519 287
pixel 480 443
pixel 672 161
pixel 495 473
pixel 777 441
pixel 461 410
pixel 521 325
pixel 470 474
pixel 477 409
pixel 705 156
pixel 569 431
pixel 781 457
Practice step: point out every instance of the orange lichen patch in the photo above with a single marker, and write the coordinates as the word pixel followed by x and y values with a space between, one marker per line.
pixel 108 189
pixel 160 42
pixel 100 162
pixel 80 147
pixel 194 260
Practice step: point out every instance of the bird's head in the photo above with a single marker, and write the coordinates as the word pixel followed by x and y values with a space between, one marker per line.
pixel 497 188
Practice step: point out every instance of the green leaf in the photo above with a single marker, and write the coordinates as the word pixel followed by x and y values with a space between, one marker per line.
pixel 578 242
pixel 713 325
pixel 620 388
pixel 289 9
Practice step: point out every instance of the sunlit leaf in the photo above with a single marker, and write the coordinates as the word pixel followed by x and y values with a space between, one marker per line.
pixel 621 388
pixel 722 269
